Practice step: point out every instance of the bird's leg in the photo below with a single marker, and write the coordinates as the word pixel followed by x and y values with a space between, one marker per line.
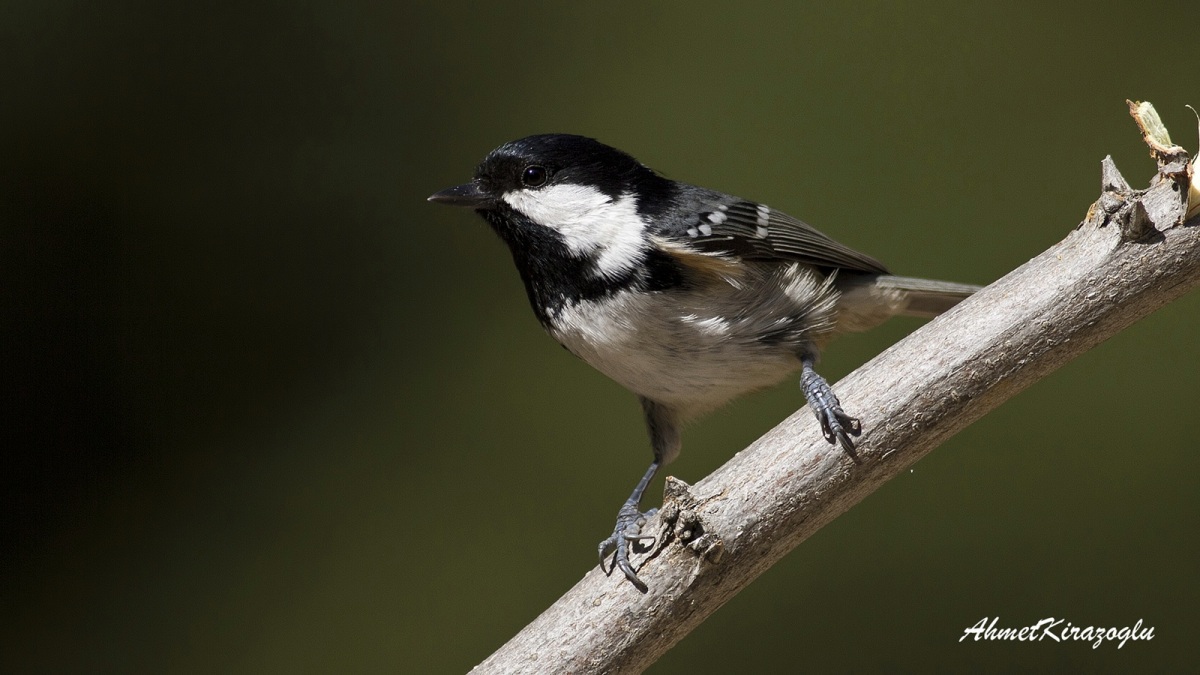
pixel 836 425
pixel 662 423
pixel 628 528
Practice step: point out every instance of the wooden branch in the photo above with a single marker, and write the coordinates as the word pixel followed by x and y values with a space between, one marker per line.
pixel 1131 255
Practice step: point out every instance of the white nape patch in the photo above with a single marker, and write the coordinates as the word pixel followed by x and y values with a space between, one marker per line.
pixel 764 215
pixel 717 217
pixel 706 229
pixel 590 222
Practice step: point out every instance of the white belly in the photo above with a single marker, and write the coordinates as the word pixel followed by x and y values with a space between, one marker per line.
pixel 696 350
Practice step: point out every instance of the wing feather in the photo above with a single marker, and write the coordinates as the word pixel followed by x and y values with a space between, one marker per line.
pixel 757 232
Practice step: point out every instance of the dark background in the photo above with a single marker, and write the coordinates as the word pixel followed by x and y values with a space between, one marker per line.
pixel 266 410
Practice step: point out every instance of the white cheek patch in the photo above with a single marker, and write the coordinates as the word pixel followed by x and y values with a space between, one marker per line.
pixel 589 221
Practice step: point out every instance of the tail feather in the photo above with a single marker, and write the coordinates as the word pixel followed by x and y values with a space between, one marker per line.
pixel 866 301
pixel 927 298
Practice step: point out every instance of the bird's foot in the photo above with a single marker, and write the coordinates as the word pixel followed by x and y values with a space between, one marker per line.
pixel 836 425
pixel 626 532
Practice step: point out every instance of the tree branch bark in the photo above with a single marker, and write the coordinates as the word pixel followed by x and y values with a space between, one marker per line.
pixel 1131 255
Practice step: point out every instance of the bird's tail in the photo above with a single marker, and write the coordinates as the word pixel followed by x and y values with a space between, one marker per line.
pixel 865 300
pixel 926 298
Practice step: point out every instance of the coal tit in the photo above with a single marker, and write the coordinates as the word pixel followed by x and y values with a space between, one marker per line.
pixel 685 296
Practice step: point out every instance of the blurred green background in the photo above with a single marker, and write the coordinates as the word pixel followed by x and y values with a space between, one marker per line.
pixel 266 410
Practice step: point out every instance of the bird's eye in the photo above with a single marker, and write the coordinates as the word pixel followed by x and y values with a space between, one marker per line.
pixel 534 176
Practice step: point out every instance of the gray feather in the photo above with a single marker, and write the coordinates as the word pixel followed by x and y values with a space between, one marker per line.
pixel 867 300
pixel 927 298
pixel 723 224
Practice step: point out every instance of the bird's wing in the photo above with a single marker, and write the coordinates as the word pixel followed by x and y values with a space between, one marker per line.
pixel 754 231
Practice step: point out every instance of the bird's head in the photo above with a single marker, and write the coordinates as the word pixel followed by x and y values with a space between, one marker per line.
pixel 578 192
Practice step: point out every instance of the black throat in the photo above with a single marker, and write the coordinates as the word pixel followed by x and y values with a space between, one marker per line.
pixel 556 277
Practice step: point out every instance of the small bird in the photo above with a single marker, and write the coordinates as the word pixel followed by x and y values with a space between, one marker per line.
pixel 686 296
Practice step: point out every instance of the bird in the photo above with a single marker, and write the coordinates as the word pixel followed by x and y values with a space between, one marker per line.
pixel 687 297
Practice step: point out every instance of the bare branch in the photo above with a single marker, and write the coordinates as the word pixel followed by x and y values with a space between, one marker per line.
pixel 1132 255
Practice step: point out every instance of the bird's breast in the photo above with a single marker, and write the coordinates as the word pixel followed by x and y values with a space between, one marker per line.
pixel 695 350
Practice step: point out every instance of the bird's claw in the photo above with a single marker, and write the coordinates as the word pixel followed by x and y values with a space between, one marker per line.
pixel 628 529
pixel 836 425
